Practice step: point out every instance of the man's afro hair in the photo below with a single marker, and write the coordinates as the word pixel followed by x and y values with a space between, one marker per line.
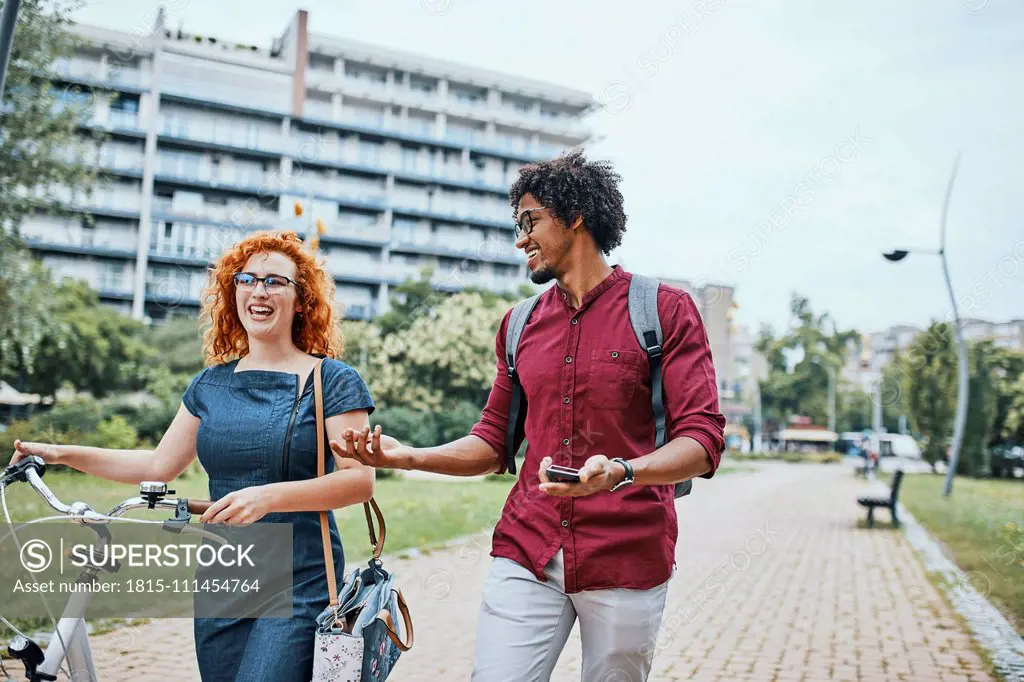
pixel 572 186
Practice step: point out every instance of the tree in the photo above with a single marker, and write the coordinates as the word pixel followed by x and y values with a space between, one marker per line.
pixel 85 344
pixel 410 300
pixel 25 306
pixel 798 363
pixel 981 410
pixel 854 409
pixel 42 149
pixel 929 383
pixel 1008 372
pixel 445 357
pixel 178 342
pixel 1014 423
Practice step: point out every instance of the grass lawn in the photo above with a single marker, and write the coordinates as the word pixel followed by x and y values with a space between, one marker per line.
pixel 422 513
pixel 979 524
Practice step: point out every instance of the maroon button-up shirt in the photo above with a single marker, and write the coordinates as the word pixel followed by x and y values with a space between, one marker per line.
pixel 587 382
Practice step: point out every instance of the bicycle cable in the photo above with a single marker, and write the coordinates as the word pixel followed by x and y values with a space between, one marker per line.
pixel 46 605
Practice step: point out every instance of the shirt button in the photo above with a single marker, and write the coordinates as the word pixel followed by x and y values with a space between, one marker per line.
pixel 565 400
pixel 575 321
pixel 565 441
pixel 615 354
pixel 565 524
pixel 568 358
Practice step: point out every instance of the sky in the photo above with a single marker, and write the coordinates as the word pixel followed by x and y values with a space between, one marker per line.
pixel 778 146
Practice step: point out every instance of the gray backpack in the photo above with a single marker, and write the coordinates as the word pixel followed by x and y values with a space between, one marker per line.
pixel 643 316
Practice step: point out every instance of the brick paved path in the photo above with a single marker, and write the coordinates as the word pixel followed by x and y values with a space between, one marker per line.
pixel 775 582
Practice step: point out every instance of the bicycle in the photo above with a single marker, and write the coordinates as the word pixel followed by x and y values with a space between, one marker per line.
pixel 70 641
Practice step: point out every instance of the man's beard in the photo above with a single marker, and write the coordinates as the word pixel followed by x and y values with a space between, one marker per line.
pixel 542 276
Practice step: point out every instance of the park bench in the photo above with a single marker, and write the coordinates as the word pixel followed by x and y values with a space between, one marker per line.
pixel 890 502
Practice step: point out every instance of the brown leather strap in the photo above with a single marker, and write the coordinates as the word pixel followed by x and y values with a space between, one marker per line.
pixel 376 539
pixel 325 528
pixel 389 624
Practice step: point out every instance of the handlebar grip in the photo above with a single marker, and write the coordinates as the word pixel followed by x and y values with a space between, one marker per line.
pixel 198 506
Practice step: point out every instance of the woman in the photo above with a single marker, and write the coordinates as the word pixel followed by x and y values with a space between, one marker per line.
pixel 249 416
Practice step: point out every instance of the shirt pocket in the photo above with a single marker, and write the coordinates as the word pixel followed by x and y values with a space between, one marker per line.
pixel 614 374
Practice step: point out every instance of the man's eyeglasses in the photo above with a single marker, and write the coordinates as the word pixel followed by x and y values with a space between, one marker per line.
pixel 272 283
pixel 526 221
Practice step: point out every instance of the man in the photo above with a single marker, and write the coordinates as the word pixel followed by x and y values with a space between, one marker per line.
pixel 564 551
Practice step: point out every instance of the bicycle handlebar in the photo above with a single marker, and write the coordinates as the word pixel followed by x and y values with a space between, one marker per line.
pixel 31 470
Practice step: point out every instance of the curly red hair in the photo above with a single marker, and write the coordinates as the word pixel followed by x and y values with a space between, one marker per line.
pixel 315 331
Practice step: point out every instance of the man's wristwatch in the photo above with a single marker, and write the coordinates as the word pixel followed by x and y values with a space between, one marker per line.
pixel 628 480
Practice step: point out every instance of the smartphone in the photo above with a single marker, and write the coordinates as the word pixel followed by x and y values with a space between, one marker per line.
pixel 560 474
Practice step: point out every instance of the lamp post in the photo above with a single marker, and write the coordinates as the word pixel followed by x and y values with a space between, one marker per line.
pixel 961 396
pixel 8 21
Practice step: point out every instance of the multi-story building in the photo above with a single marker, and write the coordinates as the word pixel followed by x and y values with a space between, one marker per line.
pixel 865 362
pixel 717 305
pixel 1009 334
pixel 405 160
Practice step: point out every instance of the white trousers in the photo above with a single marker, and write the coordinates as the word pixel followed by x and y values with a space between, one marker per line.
pixel 524 624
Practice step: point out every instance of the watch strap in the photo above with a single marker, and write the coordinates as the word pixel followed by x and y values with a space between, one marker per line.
pixel 628 480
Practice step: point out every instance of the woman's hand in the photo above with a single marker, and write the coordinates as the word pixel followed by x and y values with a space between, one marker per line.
pixel 376 450
pixel 49 452
pixel 239 508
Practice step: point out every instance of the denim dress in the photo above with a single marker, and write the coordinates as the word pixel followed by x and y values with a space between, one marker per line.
pixel 255 429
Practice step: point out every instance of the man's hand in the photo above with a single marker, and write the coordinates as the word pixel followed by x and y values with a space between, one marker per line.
pixel 239 508
pixel 23 449
pixel 375 450
pixel 599 473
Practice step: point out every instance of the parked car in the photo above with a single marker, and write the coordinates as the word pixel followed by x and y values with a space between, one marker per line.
pixel 1006 459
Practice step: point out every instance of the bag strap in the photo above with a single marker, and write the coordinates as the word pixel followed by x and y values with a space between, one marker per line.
pixel 646 323
pixel 517 406
pixel 389 623
pixel 376 539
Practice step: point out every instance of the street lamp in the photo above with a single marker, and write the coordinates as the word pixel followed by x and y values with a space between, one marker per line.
pixel 961 396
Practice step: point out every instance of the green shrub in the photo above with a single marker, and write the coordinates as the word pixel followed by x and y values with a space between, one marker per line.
pixel 418 429
pixel 81 414
pixel 455 422
pixel 115 433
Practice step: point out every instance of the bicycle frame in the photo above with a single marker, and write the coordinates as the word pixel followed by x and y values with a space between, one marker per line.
pixel 71 632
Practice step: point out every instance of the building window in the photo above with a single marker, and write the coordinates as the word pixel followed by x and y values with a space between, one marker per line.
pixel 111 276
pixel 321 62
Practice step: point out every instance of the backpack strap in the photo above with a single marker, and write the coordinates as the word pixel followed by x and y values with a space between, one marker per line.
pixel 517 407
pixel 646 322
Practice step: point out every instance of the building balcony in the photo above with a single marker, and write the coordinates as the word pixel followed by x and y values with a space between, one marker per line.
pixel 96 74
pixel 245 216
pixel 350 270
pixel 359 311
pixel 395 128
pixel 82 245
pixel 206 133
pixel 356 234
pixel 457 216
pixel 122 163
pixel 485 251
pixel 243 181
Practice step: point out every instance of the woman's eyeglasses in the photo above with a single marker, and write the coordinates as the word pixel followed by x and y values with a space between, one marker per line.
pixel 526 221
pixel 272 283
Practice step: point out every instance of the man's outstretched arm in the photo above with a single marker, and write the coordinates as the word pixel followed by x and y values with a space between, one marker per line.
pixel 468 456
